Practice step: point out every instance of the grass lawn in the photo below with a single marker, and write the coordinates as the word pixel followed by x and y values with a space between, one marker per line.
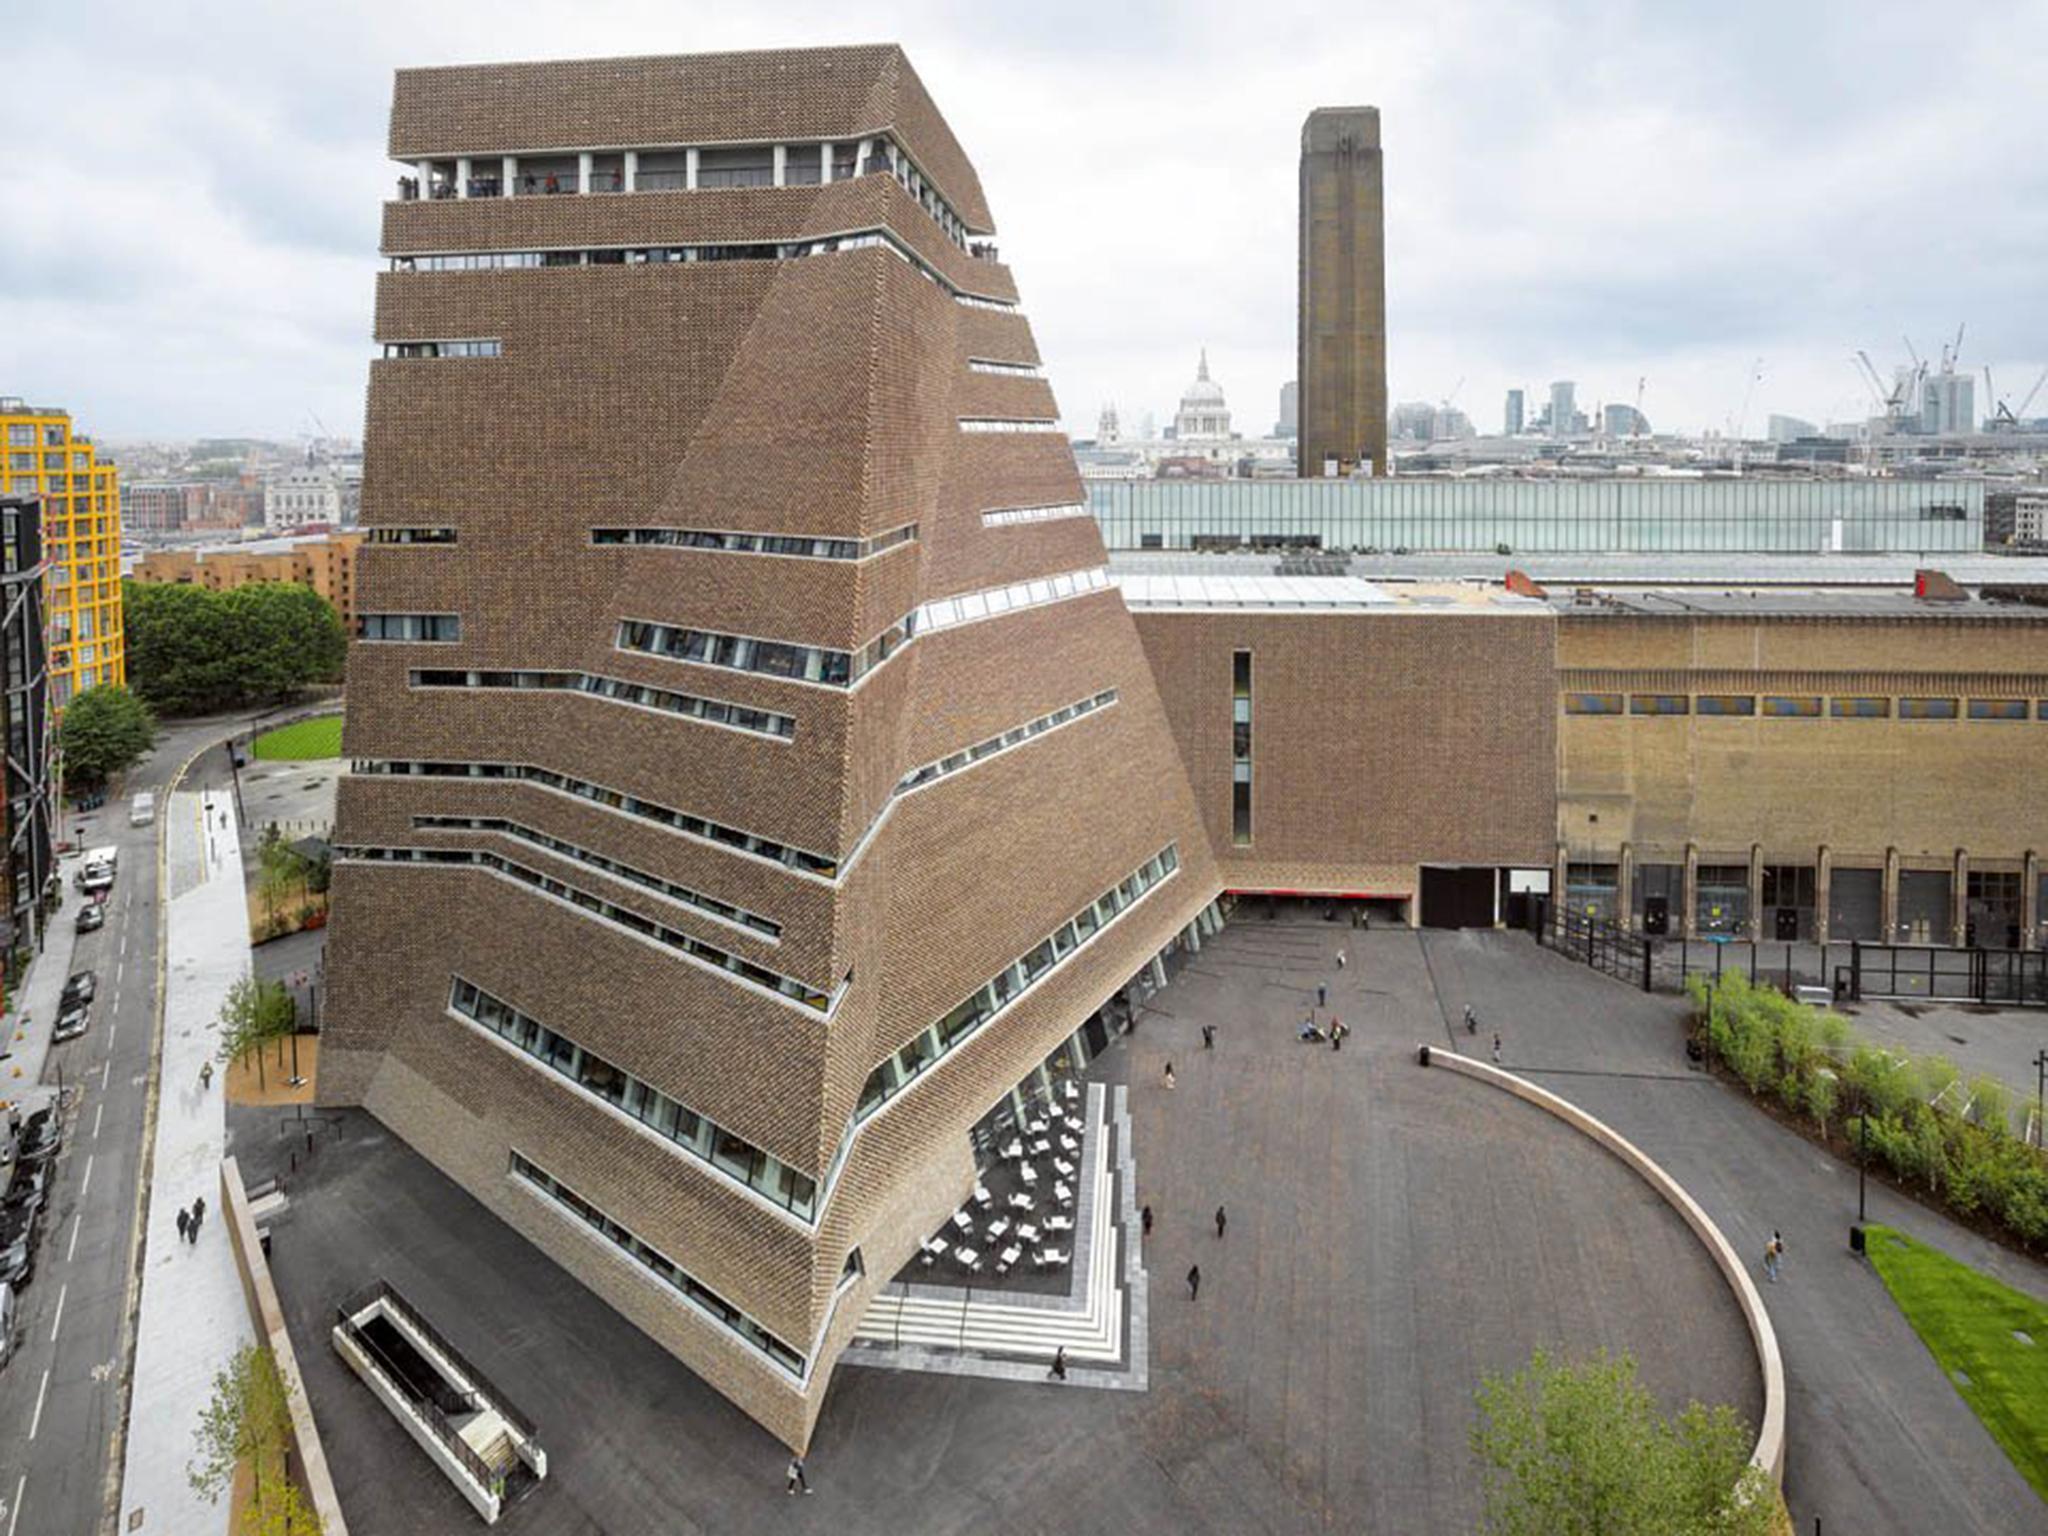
pixel 1970 1322
pixel 303 740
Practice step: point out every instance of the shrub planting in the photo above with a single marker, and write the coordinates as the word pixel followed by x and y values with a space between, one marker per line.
pixel 1933 1130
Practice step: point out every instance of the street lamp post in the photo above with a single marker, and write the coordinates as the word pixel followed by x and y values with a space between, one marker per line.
pixel 1862 1159
pixel 2040 1093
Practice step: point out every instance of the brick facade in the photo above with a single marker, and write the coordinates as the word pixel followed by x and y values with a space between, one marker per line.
pixel 817 396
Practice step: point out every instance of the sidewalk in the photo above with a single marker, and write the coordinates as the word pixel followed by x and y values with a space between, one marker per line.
pixel 193 1316
pixel 28 1043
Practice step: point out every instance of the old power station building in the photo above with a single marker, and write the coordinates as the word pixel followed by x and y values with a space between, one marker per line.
pixel 758 768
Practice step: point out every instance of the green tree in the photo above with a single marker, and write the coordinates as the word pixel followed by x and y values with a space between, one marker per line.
pixel 192 651
pixel 248 1422
pixel 1581 1450
pixel 253 1014
pixel 280 869
pixel 290 636
pixel 103 731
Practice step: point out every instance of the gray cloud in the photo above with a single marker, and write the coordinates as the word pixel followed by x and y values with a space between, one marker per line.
pixel 1590 189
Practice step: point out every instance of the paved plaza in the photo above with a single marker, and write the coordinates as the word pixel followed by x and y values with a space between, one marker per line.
pixel 1394 1233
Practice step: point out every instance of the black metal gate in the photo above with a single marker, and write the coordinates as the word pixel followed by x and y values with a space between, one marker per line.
pixel 1931 972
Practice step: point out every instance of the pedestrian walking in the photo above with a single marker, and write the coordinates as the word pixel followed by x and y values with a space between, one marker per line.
pixel 206 1075
pixel 1169 1074
pixel 184 1222
pixel 1340 959
pixel 198 1216
pixel 1778 1242
pixel 1471 1020
pixel 1208 1037
pixel 796 1478
pixel 1496 1050
pixel 1219 1221
pixel 1059 1364
pixel 1337 1034
pixel 1145 1220
pixel 1771 1261
pixel 1322 995
pixel 1194 1281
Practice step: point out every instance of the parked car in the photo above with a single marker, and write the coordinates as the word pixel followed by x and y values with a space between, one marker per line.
pixel 41 1135
pixel 27 1186
pixel 71 1024
pixel 92 915
pixel 7 1320
pixel 80 988
pixel 18 1262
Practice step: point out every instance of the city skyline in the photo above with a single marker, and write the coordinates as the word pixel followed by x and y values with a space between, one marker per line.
pixel 1568 196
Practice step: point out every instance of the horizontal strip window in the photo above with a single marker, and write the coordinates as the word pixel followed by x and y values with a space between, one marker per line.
pixel 1927 709
pixel 1003 517
pixel 1860 708
pixel 795 547
pixel 692 1290
pixel 1998 709
pixel 733 1156
pixel 491 348
pixel 689 944
pixel 981 751
pixel 770 658
pixel 1726 704
pixel 1592 703
pixel 735 717
pixel 969 607
pixel 660 255
pixel 1792 707
pixel 1006 424
pixel 710 906
pixel 941 1039
pixel 1005 370
pixel 1659 704
pixel 729 838
pixel 437 628
pixel 411 535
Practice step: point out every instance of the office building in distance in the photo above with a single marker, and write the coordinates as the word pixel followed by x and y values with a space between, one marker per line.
pixel 735 818
pixel 1342 340
pixel 81 531
pixel 324 563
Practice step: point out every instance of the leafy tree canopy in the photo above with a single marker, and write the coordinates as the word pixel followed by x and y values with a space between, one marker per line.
pixel 1581 1450
pixel 191 651
pixel 103 731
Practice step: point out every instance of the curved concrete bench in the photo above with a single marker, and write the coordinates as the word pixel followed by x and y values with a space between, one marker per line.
pixel 1770 1440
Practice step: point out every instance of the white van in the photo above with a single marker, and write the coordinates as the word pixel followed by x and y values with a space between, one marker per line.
pixel 142 810
pixel 97 873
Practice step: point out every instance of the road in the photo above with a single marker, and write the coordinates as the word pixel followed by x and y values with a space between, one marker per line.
pixel 63 1395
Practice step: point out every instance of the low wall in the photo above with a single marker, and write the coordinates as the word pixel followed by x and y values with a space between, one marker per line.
pixel 268 1316
pixel 1770 1440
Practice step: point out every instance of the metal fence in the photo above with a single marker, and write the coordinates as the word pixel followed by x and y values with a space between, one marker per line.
pixel 1850 971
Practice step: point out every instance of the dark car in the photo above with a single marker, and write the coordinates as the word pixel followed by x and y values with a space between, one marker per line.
pixel 71 1025
pixel 26 1186
pixel 38 1141
pixel 80 988
pixel 90 916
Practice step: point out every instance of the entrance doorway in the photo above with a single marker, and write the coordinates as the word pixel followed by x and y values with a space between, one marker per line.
pixel 1457 898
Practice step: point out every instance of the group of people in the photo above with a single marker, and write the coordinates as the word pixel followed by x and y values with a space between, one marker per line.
pixel 189 1220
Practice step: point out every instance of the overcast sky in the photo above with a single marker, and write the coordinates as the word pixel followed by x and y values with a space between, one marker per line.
pixel 1586 189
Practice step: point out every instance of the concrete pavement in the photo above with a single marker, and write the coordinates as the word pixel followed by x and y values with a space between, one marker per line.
pixel 1878 1440
pixel 193 1315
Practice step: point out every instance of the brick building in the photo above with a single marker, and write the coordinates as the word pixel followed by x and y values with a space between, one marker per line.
pixel 326 564
pixel 734 823
pixel 671 916
pixel 1805 766
pixel 1341 348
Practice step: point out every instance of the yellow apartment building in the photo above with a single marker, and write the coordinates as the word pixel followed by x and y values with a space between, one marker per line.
pixel 41 455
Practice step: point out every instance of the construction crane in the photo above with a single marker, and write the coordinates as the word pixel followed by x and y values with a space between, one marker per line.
pixel 1874 382
pixel 2006 418
pixel 1635 427
pixel 1756 373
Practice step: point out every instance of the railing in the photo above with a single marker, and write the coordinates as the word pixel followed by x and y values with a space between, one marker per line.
pixel 430 1412
pixel 2010 977
pixel 1605 946
pixel 381 1290
pixel 661 181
